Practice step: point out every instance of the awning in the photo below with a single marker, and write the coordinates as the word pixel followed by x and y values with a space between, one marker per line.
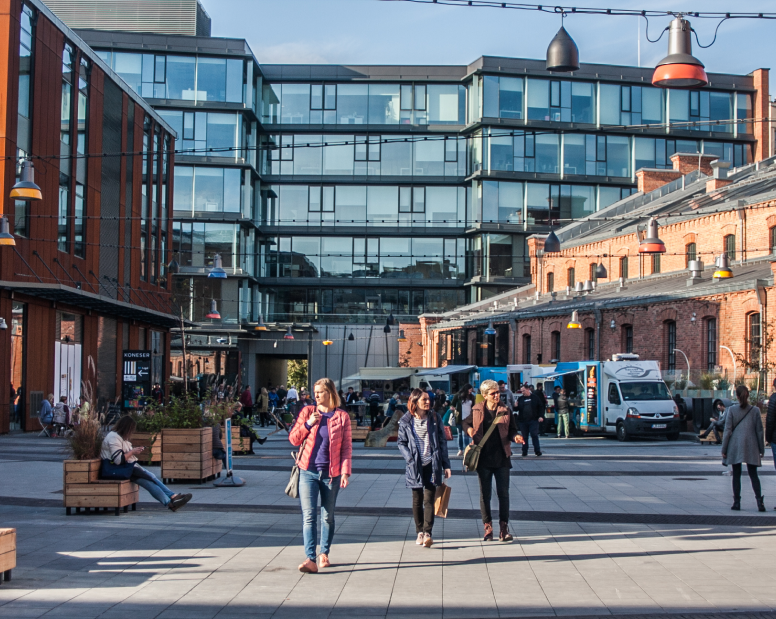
pixel 558 374
pixel 445 371
pixel 386 374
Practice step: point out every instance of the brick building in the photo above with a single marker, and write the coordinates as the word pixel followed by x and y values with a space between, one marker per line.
pixel 82 272
pixel 652 305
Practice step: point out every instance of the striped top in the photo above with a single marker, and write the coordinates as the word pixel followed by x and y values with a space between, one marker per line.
pixel 421 439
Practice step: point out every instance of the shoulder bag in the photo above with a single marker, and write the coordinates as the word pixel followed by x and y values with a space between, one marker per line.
pixel 471 456
pixel 292 488
pixel 116 472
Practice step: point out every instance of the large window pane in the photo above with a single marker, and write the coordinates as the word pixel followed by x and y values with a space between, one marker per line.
pixel 721 108
pixel 644 152
pixel 338 159
pixel 180 77
pixel 576 201
pixel 383 104
pixel 511 97
pixel 443 104
pixel 538 100
pixel 582 103
pixel 336 257
pixel 222 133
pixel 441 206
pixel 430 158
pixel 352 104
pixel 547 154
pixel 652 105
pixel 232 190
pixel 234 80
pixel 209 189
pixel 307 160
pixel 609 104
pixel 129 67
pixel 501 153
pixel 396 157
pixel 211 79
pixel 395 257
pixel 295 106
pixel 351 203
pixel 306 252
pixel 573 153
pixel 617 156
pixel 382 205
pixel 679 105
pixel 428 258
pixel 183 197
pixel 510 203
pixel 292 204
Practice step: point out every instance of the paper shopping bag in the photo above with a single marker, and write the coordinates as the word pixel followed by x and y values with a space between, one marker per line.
pixel 441 500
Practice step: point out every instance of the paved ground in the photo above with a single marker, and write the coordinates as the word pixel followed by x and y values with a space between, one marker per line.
pixel 602 528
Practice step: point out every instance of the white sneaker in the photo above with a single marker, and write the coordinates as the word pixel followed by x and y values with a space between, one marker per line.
pixel 459 453
pixel 427 541
pixel 419 541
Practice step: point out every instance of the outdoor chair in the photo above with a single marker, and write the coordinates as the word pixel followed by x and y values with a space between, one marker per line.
pixel 45 428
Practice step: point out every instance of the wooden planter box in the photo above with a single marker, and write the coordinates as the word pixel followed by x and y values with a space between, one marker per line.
pixel 358 433
pixel 240 444
pixel 82 488
pixel 152 444
pixel 7 553
pixel 188 454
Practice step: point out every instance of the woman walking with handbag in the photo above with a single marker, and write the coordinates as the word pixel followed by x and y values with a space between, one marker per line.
pixel 743 442
pixel 492 428
pixel 324 461
pixel 423 444
pixel 119 461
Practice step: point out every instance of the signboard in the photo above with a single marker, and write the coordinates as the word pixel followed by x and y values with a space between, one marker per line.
pixel 136 373
pixel 228 437
pixel 591 393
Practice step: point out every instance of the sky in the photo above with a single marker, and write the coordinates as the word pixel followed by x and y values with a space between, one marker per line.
pixel 388 32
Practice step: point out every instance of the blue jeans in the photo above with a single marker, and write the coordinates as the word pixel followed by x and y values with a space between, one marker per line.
pixel 773 449
pixel 156 488
pixel 311 484
pixel 532 428
pixel 463 438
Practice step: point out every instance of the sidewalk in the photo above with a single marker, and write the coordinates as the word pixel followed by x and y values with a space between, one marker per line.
pixel 599 543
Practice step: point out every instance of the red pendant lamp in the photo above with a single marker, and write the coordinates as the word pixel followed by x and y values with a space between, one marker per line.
pixel 213 313
pixel 680 69
pixel 652 244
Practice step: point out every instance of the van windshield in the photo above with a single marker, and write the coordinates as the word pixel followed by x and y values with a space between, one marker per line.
pixel 644 391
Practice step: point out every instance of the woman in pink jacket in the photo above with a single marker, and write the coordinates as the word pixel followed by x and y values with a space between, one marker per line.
pixel 324 467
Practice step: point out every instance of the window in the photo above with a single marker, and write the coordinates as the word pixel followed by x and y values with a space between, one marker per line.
pixel 772 236
pixel 614 394
pixel 571 277
pixel 26 48
pixel 550 282
pixel 555 345
pixel 754 339
pixel 596 155
pixel 526 348
pixel 670 330
pixel 219 190
pixel 560 101
pixel 82 125
pixel 590 344
pixel 690 253
pixel 625 105
pixel 655 263
pixel 627 338
pixel 711 344
pixel 730 247
pixel 624 267
pixel 591 269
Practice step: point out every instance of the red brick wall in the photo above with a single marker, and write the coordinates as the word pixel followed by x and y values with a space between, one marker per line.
pixel 411 351
pixel 648 180
pixel 760 109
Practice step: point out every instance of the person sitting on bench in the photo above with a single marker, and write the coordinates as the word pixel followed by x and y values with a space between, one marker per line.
pixel 717 424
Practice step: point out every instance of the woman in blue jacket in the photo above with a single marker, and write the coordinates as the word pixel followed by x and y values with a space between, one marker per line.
pixel 422 443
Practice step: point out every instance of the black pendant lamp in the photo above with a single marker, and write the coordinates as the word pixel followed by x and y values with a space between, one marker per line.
pixel 562 54
pixel 552 243
pixel 600 271
pixel 680 69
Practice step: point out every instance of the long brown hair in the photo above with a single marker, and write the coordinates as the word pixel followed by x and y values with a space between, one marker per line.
pixel 125 427
pixel 328 385
pixel 742 393
pixel 412 402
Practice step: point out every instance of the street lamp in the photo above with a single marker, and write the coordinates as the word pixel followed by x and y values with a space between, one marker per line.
pixel 213 313
pixel 680 69
pixel 26 189
pixel 217 271
pixel 687 361
pixel 733 359
pixel 491 330
pixel 652 243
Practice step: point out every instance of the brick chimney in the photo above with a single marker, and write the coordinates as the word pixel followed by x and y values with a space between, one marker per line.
pixel 688 162
pixel 719 169
pixel 650 179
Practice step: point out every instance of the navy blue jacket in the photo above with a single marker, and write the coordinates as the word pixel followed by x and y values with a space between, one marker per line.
pixel 409 449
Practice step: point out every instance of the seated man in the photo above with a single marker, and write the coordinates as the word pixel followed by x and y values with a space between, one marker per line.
pixel 717 424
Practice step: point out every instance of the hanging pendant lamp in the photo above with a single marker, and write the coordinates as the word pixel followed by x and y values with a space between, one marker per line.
pixel 261 326
pixel 391 319
pixel 327 342
pixel 173 268
pixel 288 335
pixel 401 337
pixel 552 243
pixel 652 244
pixel 574 322
pixel 491 330
pixel 26 189
pixel 600 271
pixel 387 327
pixel 351 338
pixel 680 69
pixel 723 268
pixel 213 314
pixel 562 54
pixel 6 238
pixel 217 271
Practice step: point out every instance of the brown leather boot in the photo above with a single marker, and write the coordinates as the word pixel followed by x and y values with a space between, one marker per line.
pixel 488 532
pixel 504 535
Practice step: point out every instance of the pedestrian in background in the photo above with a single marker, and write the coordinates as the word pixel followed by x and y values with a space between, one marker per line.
pixel 562 413
pixel 743 443
pixel 506 396
pixel 770 423
pixel 325 463
pixel 495 456
pixel 717 424
pixel 422 442
pixel 530 415
pixel 462 403
pixel 262 404
pixel 246 399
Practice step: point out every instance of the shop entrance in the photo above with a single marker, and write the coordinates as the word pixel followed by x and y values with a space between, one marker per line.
pixel 272 370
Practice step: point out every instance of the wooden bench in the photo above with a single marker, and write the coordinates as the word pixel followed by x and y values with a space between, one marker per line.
pixel 7 553
pixel 83 489
pixel 358 433
pixel 188 454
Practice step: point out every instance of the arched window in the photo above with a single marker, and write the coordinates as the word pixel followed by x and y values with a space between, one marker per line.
pixel 624 267
pixel 670 327
pixel 593 277
pixel 590 344
pixel 772 237
pixel 754 337
pixel 571 277
pixel 555 346
pixel 627 338
pixel 690 253
pixel 655 263
pixel 526 348
pixel 550 282
pixel 730 247
pixel 711 344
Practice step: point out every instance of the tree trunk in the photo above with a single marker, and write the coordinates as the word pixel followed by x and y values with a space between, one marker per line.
pixel 379 438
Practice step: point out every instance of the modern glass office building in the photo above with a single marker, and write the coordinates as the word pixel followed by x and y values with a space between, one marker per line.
pixel 338 195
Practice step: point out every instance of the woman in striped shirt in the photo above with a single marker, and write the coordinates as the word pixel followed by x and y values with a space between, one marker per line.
pixel 422 443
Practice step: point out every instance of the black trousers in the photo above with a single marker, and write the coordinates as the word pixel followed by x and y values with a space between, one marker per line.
pixel 423 502
pixel 752 470
pixel 486 476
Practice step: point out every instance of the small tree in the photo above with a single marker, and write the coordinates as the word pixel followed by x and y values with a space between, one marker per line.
pixel 297 372
pixel 758 358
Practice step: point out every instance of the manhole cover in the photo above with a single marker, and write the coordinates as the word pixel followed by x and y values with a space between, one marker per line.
pixel 689 479
pixel 549 488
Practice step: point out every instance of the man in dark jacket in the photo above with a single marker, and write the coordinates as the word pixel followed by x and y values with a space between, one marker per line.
pixel 530 413
pixel 770 423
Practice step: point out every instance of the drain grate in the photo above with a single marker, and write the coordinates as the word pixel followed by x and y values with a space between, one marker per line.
pixel 689 478
pixel 550 488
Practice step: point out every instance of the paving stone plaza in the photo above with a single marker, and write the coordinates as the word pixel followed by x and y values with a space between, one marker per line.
pixel 601 528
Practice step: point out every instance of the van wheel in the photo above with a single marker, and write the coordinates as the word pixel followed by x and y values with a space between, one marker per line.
pixel 622 433
pixel 673 437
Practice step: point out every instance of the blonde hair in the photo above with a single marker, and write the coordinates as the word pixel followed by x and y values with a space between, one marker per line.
pixel 488 385
pixel 328 385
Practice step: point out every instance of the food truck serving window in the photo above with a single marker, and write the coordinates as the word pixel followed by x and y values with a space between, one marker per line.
pixel 644 391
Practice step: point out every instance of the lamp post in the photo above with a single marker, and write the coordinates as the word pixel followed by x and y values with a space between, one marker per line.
pixel 687 361
pixel 733 359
